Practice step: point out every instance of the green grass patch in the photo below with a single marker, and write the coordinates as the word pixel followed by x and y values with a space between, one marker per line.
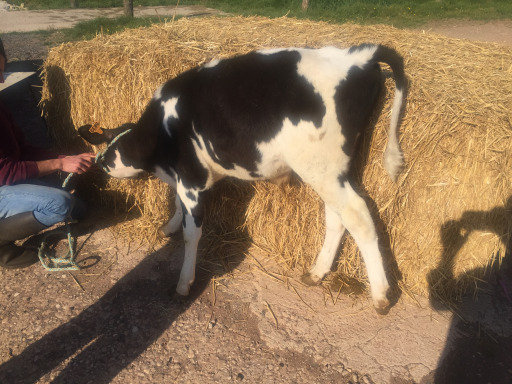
pixel 86 30
pixel 396 12
pixel 62 4
pixel 401 13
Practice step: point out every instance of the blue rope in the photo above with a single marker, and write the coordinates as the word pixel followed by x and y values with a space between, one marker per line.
pixel 67 263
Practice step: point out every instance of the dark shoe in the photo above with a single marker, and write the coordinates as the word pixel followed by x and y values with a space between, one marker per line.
pixel 13 256
pixel 15 228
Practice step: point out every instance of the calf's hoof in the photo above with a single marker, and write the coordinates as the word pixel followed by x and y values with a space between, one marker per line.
pixel 183 290
pixel 310 279
pixel 179 299
pixel 162 234
pixel 180 293
pixel 382 306
pixel 164 231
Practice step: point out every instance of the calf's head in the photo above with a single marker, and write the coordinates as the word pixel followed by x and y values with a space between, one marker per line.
pixel 123 156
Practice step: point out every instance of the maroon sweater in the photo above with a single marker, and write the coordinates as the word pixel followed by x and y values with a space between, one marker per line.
pixel 17 157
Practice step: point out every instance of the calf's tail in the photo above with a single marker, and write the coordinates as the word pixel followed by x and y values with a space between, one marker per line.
pixel 393 157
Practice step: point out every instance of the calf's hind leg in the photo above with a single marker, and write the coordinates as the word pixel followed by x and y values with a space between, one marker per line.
pixel 355 217
pixel 334 230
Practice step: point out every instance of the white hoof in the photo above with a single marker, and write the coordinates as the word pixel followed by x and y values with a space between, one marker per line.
pixel 183 289
pixel 381 301
pixel 311 279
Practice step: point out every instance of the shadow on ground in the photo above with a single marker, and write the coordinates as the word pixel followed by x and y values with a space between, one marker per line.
pixel 479 344
pixel 107 336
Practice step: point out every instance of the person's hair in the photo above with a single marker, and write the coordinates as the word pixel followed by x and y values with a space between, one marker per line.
pixel 2 50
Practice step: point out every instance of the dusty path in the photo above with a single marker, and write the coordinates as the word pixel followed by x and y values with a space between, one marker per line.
pixel 496 31
pixel 115 320
pixel 29 21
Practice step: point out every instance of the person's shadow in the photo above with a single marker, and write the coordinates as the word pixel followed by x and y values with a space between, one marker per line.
pixel 479 344
pixel 106 337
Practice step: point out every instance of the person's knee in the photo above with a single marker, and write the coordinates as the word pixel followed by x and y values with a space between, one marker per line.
pixel 57 209
pixel 63 205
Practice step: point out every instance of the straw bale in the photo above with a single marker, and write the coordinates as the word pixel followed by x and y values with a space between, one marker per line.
pixel 445 221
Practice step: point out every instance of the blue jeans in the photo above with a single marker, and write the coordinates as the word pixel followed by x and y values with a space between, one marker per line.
pixel 50 205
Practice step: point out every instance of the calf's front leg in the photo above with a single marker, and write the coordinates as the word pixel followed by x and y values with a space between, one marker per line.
pixel 192 231
pixel 175 223
pixel 191 235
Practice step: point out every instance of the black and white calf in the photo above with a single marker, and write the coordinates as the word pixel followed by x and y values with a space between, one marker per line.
pixel 260 116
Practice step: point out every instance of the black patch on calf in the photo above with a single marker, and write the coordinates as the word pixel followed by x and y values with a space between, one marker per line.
pixel 197 214
pixel 214 157
pixel 191 196
pixel 196 139
pixel 342 179
pixel 360 47
pixel 356 98
pixel 192 173
pixel 185 213
pixel 243 101
pixel 138 147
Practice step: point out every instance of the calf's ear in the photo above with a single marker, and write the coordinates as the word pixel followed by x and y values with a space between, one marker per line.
pixel 92 134
pixel 96 135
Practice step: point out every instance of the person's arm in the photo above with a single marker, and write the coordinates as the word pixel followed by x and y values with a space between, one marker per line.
pixel 71 164
pixel 14 171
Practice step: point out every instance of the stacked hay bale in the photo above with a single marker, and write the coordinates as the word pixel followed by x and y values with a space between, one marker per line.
pixel 444 222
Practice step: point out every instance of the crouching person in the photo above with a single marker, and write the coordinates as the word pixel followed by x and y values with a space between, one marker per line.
pixel 28 204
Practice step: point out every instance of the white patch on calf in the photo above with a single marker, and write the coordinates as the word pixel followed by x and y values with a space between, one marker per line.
pixel 187 196
pixel 167 177
pixel 158 93
pixel 393 158
pixel 191 235
pixel 174 224
pixel 358 221
pixel 334 230
pixel 169 107
pixel 314 160
pixel 325 69
pixel 272 163
pixel 212 63
pixel 120 170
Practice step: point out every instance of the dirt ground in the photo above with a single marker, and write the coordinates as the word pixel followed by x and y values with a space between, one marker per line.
pixel 116 320
pixel 497 31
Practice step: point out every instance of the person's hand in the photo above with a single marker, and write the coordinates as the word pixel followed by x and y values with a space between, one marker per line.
pixel 78 163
